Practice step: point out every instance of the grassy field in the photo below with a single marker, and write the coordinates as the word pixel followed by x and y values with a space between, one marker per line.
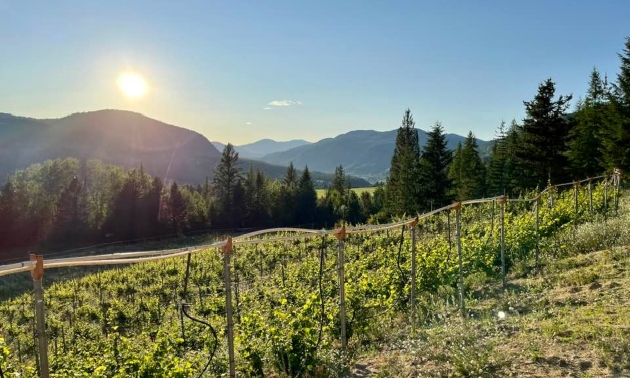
pixel 571 319
pixel 370 189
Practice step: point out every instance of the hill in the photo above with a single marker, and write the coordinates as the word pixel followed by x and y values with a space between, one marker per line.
pixel 127 139
pixel 363 153
pixel 263 147
pixel 113 136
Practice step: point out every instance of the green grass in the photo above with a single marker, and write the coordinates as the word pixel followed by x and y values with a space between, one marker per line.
pixel 370 189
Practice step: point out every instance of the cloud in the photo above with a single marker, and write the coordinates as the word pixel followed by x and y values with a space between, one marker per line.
pixel 267 108
pixel 284 103
pixel 248 123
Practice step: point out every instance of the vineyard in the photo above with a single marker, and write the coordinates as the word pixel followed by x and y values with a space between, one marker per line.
pixel 297 303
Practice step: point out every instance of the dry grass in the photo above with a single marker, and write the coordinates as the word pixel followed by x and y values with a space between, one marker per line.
pixel 571 320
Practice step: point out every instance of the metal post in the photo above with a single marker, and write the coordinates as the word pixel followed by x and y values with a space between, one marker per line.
pixel 458 221
pixel 502 202
pixel 227 251
pixel 448 235
pixel 414 227
pixel 537 228
pixel 342 295
pixel 37 274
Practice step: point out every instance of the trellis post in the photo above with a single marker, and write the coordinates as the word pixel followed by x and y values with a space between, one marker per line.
pixel 37 274
pixel 414 228
pixel 227 251
pixel 502 202
pixel 341 235
pixel 458 226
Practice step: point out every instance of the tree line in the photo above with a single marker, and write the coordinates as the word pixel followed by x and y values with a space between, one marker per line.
pixel 63 203
pixel 551 145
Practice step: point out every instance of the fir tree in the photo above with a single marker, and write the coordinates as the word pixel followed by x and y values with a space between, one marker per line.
pixel 541 156
pixel 402 187
pixel 307 199
pixel 497 178
pixel 434 161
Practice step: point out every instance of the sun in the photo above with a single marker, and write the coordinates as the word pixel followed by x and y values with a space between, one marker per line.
pixel 132 85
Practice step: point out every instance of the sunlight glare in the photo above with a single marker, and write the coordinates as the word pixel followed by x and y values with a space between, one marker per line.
pixel 132 85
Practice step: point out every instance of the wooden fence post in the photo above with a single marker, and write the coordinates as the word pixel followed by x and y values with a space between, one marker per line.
pixel 341 234
pixel 227 251
pixel 40 317
pixel 458 225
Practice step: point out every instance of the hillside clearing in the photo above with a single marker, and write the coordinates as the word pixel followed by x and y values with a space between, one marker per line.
pixel 370 189
pixel 572 319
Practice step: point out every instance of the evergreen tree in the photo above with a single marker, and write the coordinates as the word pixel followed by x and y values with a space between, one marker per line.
pixel 467 171
pixel 585 139
pixel 307 199
pixel 497 178
pixel 616 136
pixel 434 162
pixel 179 214
pixel 227 175
pixel 513 178
pixel 541 156
pixel 402 187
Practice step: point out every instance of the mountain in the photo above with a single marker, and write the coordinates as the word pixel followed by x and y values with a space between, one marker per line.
pixel 122 138
pixel 113 136
pixel 363 153
pixel 263 147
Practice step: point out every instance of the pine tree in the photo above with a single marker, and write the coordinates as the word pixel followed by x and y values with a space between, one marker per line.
pixel 307 199
pixel 402 186
pixel 585 139
pixel 434 162
pixel 467 171
pixel 541 156
pixel 616 136
pixel 179 214
pixel 227 175
pixel 497 178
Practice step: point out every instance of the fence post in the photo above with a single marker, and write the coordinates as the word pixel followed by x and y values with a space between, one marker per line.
pixel 448 237
pixel 606 197
pixel 227 251
pixel 537 229
pixel 414 227
pixel 37 274
pixel 617 175
pixel 458 226
pixel 575 198
pixel 590 198
pixel 502 201
pixel 341 234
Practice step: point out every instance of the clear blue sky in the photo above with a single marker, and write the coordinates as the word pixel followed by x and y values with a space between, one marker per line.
pixel 214 66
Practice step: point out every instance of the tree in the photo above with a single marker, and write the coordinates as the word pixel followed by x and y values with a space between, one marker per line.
pixel 434 161
pixel 9 214
pixel 227 175
pixel 541 156
pixel 71 216
pixel 179 214
pixel 585 139
pixel 616 135
pixel 467 171
pixel 498 179
pixel 402 186
pixel 306 199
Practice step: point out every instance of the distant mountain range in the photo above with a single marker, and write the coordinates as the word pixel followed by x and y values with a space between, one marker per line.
pixel 363 153
pixel 263 147
pixel 127 139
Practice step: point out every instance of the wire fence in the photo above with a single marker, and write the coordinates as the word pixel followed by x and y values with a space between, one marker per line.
pixel 289 290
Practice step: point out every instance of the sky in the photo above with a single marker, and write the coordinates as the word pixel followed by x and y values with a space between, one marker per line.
pixel 239 71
